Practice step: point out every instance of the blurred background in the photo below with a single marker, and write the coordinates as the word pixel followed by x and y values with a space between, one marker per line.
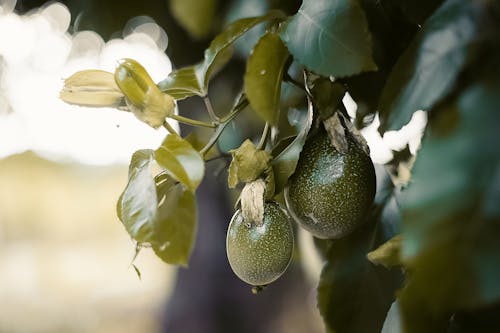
pixel 65 259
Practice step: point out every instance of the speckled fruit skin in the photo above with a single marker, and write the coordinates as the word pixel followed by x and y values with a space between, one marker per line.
pixel 330 193
pixel 260 255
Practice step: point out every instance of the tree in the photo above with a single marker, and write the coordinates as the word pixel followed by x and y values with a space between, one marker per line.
pixel 430 241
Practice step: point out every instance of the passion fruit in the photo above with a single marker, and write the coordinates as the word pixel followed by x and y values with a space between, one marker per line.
pixel 330 192
pixel 260 254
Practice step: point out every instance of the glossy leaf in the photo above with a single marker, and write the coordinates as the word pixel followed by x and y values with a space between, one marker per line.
pixel 451 226
pixel 182 83
pixel 175 228
pixel 264 72
pixel 330 37
pixel 427 70
pixel 194 80
pixel 137 204
pixel 195 16
pixel 353 294
pixel 181 161
pixel 247 165
pixel 94 88
pixel 285 162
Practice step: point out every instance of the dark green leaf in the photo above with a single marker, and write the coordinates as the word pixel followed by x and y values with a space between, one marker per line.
pixel 175 228
pixel 195 16
pixel 137 204
pixel 451 234
pixel 181 161
pixel 427 70
pixel 330 37
pixel 353 294
pixel 193 80
pixel 263 76
pixel 285 162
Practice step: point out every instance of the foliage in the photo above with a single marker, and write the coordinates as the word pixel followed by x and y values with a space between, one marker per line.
pixel 430 247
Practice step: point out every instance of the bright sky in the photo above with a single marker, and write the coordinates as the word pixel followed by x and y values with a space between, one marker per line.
pixel 37 52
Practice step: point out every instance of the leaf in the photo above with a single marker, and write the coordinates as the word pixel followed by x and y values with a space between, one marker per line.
pixel 451 232
pixel 330 37
pixel 196 16
pixel 175 230
pixel 285 162
pixel 263 76
pixel 182 83
pixel 245 8
pixel 137 204
pixel 94 88
pixel 247 165
pixel 181 161
pixel 193 80
pixel 427 70
pixel 353 294
pixel 387 254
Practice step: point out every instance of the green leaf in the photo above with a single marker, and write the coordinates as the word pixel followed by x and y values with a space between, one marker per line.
pixel 181 161
pixel 427 70
pixel 196 16
pixel 182 83
pixel 193 80
pixel 285 161
pixel 137 204
pixel 387 254
pixel 247 164
pixel 451 227
pixel 245 8
pixel 353 294
pixel 175 228
pixel 263 76
pixel 330 37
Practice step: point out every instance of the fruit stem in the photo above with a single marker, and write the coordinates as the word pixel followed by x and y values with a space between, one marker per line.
pixel 192 122
pixel 169 128
pixel 210 110
pixel 222 125
pixel 263 138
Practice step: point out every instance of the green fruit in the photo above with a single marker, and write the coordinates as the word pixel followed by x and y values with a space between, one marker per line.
pixel 330 192
pixel 259 255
